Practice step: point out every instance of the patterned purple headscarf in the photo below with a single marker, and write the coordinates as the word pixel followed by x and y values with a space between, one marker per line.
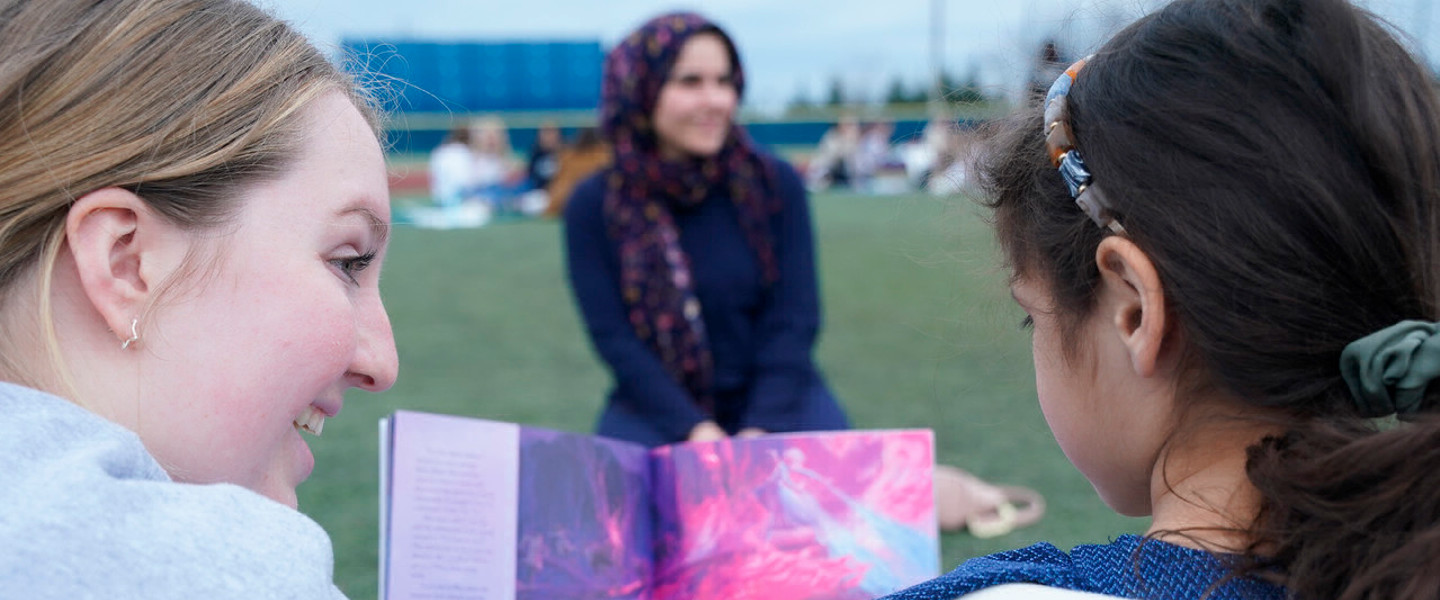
pixel 643 189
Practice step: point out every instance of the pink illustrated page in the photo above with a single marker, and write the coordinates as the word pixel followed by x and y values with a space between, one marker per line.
pixel 482 510
pixel 835 515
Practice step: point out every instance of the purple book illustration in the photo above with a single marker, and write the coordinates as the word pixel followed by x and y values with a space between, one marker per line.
pixel 475 509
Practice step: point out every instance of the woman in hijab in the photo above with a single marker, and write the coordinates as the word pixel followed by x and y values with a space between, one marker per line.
pixel 691 256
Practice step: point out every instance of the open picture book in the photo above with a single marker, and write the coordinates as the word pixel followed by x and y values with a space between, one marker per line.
pixel 476 509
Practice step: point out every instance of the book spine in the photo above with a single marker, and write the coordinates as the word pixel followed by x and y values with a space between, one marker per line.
pixel 667 530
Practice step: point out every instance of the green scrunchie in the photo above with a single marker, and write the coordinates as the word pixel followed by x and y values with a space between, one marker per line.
pixel 1387 371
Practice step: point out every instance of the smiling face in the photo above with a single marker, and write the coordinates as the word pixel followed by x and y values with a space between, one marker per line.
pixel 286 318
pixel 697 103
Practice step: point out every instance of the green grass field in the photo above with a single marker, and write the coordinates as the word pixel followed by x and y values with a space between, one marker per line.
pixel 919 332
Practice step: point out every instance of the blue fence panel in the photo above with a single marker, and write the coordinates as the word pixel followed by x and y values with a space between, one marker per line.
pixel 462 77
pixel 578 65
pixel 532 77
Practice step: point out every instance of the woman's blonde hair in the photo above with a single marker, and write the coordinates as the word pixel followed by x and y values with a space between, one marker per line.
pixel 182 102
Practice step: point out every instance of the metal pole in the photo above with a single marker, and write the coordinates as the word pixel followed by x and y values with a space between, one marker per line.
pixel 937 51
pixel 1422 29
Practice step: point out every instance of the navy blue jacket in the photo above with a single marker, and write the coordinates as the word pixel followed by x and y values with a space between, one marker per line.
pixel 761 336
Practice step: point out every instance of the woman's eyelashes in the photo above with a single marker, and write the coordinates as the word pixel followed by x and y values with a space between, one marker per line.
pixel 1027 323
pixel 352 266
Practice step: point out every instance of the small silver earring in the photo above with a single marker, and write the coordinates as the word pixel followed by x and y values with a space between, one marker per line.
pixel 134 334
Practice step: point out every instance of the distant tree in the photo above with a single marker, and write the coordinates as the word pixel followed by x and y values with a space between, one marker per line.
pixel 962 92
pixel 920 95
pixel 800 102
pixel 947 86
pixel 897 94
pixel 969 92
pixel 837 96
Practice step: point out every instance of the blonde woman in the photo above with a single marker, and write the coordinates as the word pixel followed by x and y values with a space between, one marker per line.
pixel 193 211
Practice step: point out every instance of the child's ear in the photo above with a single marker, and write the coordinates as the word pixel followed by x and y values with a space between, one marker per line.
pixel 122 251
pixel 1131 297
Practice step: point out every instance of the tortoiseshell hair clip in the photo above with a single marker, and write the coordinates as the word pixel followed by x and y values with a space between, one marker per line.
pixel 1060 144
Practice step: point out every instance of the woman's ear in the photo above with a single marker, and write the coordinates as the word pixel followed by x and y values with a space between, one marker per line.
pixel 1131 297
pixel 122 250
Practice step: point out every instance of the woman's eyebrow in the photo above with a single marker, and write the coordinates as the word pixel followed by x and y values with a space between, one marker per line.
pixel 378 226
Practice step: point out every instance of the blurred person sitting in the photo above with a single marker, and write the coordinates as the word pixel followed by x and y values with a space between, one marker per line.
pixel 876 162
pixel 576 162
pixel 834 161
pixel 692 262
pixel 452 169
pixel 453 188
pixel 691 257
pixel 540 168
pixel 930 152
pixel 954 171
pixel 544 159
pixel 499 180
pixel 873 150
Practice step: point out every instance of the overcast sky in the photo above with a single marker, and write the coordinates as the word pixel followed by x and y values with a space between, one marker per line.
pixel 792 47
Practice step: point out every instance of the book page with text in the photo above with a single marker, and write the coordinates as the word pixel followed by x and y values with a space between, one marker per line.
pixel 454 486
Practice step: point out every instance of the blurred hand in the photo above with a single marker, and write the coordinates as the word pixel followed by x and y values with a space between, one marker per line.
pixel 706 431
pixel 751 432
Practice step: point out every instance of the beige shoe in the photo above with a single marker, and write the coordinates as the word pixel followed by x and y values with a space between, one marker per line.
pixel 965 501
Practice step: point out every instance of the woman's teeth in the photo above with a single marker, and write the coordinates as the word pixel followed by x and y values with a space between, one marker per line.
pixel 312 421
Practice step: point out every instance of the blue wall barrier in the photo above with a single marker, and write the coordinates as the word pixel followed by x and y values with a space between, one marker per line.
pixel 434 77
pixel 431 86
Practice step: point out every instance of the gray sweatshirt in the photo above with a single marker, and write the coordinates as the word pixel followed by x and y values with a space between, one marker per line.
pixel 86 512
